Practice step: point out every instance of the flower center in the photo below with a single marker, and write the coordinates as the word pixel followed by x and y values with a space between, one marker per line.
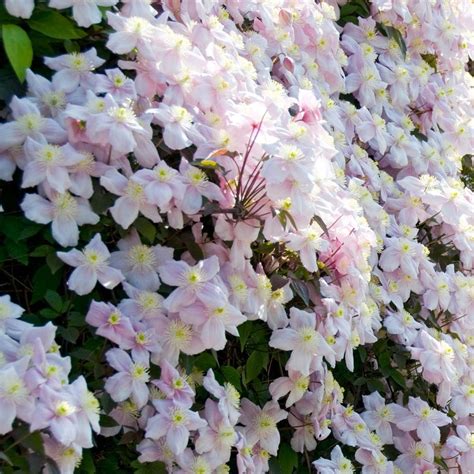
pixel 425 413
pixel 149 301
pixel 307 337
pixel 122 114
pixel 265 423
pixel 140 372
pixel 302 383
pixel 65 205
pixel 141 338
pixel 64 408
pixel 219 311
pixel 30 123
pixel 93 257
pixel 179 334
pixel 114 318
pixel 56 100
pixel 134 191
pixel 232 394
pixel 142 255
pixel 178 417
pixel 180 115
pixel 193 277
pixel 91 403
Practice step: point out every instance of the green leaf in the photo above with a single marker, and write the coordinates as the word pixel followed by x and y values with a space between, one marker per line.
pixel 55 25
pixel 9 85
pixel 18 47
pixel 362 353
pixel 321 224
pixel 44 280
pixel 286 462
pixel 146 228
pixel 156 467
pixel 257 361
pixel 193 248
pixel 17 250
pixel 232 375
pixel 54 300
pixel 245 330
pixel 34 442
pixel 54 263
pixel 87 463
pixel 375 385
pixel 107 421
pixel 393 33
pixel 300 288
pixel 398 377
pixel 49 313
pixel 70 334
pixel 205 361
pixel 42 251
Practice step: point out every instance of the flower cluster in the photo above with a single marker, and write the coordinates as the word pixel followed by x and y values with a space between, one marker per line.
pixel 314 170
pixel 34 388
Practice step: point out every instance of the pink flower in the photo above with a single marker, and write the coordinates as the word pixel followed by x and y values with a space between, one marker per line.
pixel 75 69
pixel 463 444
pixel 118 126
pixel 296 385
pixel 28 122
pixel 174 385
pixel 462 401
pixel 131 377
pixel 228 397
pixel 307 345
pixel 56 411
pixel 85 13
pixel 412 452
pixel 141 305
pixel 401 253
pixel 213 316
pixel 190 280
pixel 218 436
pixel 304 432
pixel 64 211
pixel 173 421
pixel 176 337
pixel 191 463
pixel 307 242
pixel 87 411
pixel 378 416
pixel 14 395
pixel 111 323
pixel 162 185
pixel 177 125
pixel 92 265
pixel 337 465
pixel 9 314
pixel 129 33
pixel 138 262
pixel 422 418
pixel 403 325
pixel 132 199
pixel 66 457
pixel 261 424
pixel 20 8
pixel 197 187
pixel 117 84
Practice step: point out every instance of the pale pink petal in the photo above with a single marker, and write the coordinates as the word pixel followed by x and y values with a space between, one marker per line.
pixel 82 280
pixel 65 231
pixel 124 211
pixel 109 277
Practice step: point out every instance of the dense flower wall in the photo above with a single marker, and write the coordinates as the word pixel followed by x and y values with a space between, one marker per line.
pixel 256 226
